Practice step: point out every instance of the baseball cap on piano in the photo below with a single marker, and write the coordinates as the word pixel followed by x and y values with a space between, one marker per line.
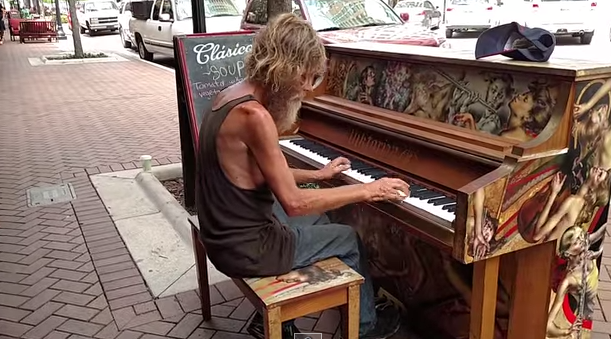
pixel 517 42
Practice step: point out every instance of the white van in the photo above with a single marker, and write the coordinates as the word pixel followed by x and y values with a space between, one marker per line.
pixel 576 18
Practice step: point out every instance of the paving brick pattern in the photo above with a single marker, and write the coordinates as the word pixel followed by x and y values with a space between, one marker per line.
pixel 64 270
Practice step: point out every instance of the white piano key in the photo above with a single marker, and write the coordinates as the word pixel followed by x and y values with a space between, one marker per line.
pixel 418 203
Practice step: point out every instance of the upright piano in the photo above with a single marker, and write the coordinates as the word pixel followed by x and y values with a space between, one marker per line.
pixel 508 164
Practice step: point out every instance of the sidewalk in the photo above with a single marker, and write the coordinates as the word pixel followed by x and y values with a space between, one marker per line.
pixel 64 270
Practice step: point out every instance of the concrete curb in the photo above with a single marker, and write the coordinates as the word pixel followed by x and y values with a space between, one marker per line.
pixel 171 209
pixel 167 172
pixel 110 57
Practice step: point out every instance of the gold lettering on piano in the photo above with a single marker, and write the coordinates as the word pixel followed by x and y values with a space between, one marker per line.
pixel 383 147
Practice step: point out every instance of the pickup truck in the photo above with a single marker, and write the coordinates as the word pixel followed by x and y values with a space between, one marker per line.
pixel 97 15
pixel 154 23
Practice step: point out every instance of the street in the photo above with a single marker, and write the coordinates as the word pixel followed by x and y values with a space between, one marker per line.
pixel 598 50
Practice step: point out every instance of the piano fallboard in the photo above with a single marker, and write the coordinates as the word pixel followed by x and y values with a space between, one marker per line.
pixel 395 149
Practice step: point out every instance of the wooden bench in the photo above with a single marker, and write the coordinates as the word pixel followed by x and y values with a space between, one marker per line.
pixel 37 30
pixel 334 284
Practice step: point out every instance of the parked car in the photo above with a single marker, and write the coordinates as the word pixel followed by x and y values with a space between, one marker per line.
pixel 125 13
pixel 471 15
pixel 419 12
pixel 153 31
pixel 576 18
pixel 97 15
pixel 339 21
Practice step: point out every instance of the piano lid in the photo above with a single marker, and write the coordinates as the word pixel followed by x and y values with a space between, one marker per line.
pixel 573 68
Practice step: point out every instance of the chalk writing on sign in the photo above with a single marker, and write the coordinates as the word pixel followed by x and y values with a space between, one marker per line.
pixel 212 51
pixel 213 62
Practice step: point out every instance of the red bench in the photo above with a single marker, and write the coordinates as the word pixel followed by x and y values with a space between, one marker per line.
pixel 37 30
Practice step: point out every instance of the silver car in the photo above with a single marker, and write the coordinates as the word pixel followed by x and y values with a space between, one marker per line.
pixel 419 12
pixel 125 13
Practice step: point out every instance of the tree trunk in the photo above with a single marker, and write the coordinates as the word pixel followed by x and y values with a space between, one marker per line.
pixel 275 7
pixel 41 9
pixel 76 30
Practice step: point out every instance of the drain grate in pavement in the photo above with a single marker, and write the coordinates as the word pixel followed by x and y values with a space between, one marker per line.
pixel 41 196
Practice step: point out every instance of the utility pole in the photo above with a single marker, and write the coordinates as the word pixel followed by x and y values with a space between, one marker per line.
pixel 61 35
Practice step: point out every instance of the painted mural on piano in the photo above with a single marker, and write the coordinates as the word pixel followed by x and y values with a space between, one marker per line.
pixel 563 198
pixel 434 288
pixel 497 103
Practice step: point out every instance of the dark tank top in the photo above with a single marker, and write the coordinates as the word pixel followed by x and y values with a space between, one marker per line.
pixel 241 235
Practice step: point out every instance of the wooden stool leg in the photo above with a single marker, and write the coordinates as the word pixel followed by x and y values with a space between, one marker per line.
pixel 483 298
pixel 351 313
pixel 201 264
pixel 273 325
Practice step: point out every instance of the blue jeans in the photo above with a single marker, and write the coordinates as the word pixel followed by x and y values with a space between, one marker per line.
pixel 316 239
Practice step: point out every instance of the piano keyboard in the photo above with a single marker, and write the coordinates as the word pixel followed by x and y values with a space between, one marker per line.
pixel 420 197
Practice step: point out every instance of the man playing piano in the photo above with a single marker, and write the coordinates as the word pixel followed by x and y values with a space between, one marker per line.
pixel 245 185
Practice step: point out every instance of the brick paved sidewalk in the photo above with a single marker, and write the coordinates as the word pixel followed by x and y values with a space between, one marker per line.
pixel 64 270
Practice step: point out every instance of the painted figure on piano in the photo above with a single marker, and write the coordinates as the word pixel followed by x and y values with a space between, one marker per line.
pixel 470 110
pixel 364 87
pixel 483 228
pixel 430 96
pixel 592 132
pixel 577 283
pixel 575 288
pixel 496 103
pixel 558 215
pixel 396 92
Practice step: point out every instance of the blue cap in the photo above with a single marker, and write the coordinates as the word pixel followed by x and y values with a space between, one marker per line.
pixel 517 42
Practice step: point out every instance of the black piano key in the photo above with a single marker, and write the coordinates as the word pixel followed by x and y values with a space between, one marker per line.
pixel 369 171
pixel 419 194
pixel 428 195
pixel 441 201
pixel 358 165
pixel 450 206
pixel 439 196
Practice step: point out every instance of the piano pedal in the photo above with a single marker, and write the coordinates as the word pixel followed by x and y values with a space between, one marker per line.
pixel 386 299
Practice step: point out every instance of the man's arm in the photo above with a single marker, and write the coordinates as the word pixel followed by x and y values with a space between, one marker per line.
pixel 306 176
pixel 330 170
pixel 263 143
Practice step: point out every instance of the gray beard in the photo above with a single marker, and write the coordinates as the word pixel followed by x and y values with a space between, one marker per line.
pixel 284 112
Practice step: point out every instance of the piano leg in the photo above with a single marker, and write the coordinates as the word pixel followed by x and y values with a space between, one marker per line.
pixel 484 298
pixel 531 292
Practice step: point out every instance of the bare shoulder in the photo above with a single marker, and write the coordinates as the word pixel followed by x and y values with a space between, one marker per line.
pixel 257 127
pixel 254 114
pixel 254 111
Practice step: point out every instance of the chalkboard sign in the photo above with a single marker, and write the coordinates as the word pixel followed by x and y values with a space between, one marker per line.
pixel 208 63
